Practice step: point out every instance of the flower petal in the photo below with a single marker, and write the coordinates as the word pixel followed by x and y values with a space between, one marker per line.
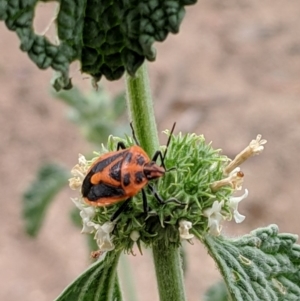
pixel 233 204
pixel 184 227
pixel 214 217
pixel 215 228
pixel 103 237
pixel 88 226
pixel 256 145
pixel 135 235
pixel 238 217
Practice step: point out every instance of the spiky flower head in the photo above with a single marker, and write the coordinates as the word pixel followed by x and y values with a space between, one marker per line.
pixel 201 180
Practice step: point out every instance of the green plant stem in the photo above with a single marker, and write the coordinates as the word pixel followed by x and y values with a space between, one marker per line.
pixel 167 260
pixel 141 111
pixel 169 273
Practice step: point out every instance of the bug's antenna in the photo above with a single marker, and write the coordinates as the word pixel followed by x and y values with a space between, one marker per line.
pixel 133 134
pixel 169 140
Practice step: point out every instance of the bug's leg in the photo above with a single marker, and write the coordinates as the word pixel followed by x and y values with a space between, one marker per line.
pixel 160 199
pixel 133 134
pixel 145 202
pixel 156 195
pixel 162 159
pixel 120 145
pixel 160 155
pixel 156 155
pixel 120 210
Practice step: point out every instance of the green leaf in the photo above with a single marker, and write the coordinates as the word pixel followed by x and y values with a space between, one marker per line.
pixel 263 265
pixel 107 37
pixel 19 17
pixel 86 109
pixel 218 292
pixel 98 283
pixel 50 180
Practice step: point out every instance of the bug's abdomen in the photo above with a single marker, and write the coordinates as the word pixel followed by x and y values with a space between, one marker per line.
pixel 102 185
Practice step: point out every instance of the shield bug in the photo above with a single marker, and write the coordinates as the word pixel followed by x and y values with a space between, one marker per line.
pixel 119 175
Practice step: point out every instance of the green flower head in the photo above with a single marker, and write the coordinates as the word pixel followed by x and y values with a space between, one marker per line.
pixel 198 188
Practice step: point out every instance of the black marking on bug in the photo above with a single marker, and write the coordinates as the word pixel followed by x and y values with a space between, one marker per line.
pixel 103 190
pixel 86 184
pixel 126 179
pixel 128 158
pixel 140 160
pixel 104 163
pixel 139 176
pixel 115 171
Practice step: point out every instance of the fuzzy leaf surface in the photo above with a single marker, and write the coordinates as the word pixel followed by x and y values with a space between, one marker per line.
pixel 264 265
pixel 218 292
pixel 107 37
pixel 98 283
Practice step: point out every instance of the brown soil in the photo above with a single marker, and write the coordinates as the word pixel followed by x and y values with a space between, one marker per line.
pixel 231 73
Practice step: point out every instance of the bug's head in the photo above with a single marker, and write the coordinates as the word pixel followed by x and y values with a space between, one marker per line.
pixel 153 171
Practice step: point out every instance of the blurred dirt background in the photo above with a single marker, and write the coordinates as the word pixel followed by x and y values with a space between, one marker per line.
pixel 232 72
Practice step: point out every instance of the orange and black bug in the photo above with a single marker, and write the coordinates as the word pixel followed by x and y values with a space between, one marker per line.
pixel 121 174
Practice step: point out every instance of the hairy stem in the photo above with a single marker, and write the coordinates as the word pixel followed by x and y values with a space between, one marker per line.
pixel 167 260
pixel 141 111
pixel 168 267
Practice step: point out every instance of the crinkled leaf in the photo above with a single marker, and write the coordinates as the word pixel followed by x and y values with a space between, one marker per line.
pixel 263 265
pixel 108 37
pixel 98 283
pixel 218 292
pixel 50 180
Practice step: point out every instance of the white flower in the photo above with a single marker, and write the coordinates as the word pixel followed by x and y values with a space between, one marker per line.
pixel 235 179
pixel 233 204
pixel 79 172
pixel 214 217
pixel 135 235
pixel 75 183
pixel 87 213
pixel 255 147
pixel 82 160
pixel 87 226
pixel 184 227
pixel 103 237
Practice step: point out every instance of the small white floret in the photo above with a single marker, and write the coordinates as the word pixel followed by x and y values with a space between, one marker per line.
pixel 78 172
pixel 214 216
pixel 103 237
pixel 233 204
pixel 255 147
pixel 184 227
pixel 87 213
pixel 135 235
pixel 235 179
